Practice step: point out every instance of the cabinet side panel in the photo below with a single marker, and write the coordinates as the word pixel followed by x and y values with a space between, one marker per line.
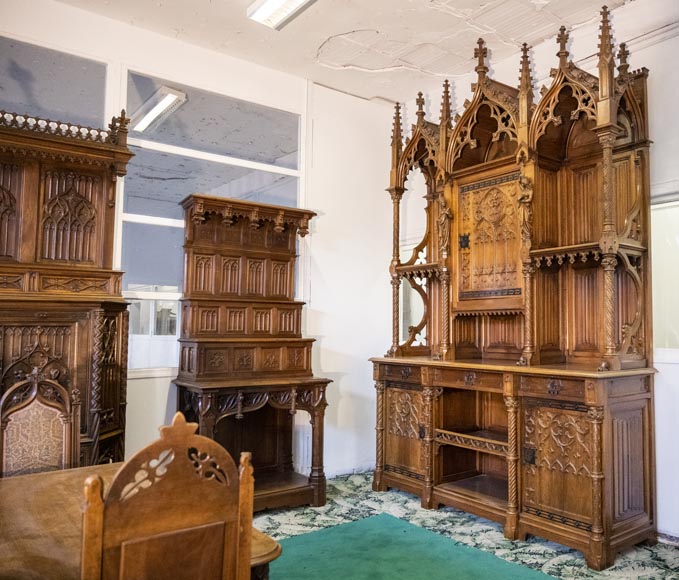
pixel 625 190
pixel 586 329
pixel 585 218
pixel 546 210
pixel 628 461
pixel 547 314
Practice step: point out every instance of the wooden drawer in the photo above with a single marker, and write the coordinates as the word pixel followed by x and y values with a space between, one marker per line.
pixel 552 387
pixel 467 379
pixel 401 373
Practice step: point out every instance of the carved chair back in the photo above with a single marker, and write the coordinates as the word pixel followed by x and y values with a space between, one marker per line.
pixel 178 509
pixel 39 426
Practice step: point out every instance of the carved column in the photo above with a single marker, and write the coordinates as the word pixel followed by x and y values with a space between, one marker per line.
pixel 595 556
pixel 379 435
pixel 445 312
pixel 429 394
pixel 125 324
pixel 317 475
pixel 396 196
pixel 528 344
pixel 395 301
pixel 608 244
pixel 512 520
pixel 609 262
pixel 97 363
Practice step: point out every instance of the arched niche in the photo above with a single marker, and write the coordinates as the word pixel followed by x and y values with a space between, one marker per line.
pixel 568 133
pixel 415 250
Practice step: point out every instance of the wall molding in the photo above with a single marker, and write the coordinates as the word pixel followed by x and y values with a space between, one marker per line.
pixel 158 373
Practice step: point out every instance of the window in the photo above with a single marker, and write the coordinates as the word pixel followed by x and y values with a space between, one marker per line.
pixel 209 144
pixel 50 84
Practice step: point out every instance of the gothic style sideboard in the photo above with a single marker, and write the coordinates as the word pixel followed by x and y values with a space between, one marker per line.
pixel 525 392
pixel 62 316
pixel 244 367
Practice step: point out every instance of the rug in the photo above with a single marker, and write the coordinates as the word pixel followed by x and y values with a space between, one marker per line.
pixel 385 547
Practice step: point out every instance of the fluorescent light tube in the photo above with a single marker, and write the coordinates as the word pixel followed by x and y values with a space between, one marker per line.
pixel 157 107
pixel 277 13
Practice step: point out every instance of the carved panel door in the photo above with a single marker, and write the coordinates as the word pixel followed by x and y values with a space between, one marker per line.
pixel 557 453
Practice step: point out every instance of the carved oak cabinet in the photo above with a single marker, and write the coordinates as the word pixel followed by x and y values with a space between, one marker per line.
pixel 62 315
pixel 245 369
pixel 525 392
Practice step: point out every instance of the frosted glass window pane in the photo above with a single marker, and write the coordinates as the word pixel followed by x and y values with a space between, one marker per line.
pixel 140 316
pixel 219 124
pixel 156 182
pixel 152 255
pixel 47 83
pixel 166 317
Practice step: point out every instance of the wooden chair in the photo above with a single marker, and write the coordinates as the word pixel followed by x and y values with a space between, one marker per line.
pixel 40 426
pixel 177 510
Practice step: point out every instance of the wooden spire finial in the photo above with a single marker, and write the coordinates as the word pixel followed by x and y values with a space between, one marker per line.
pixel 623 53
pixel 525 80
pixel 396 136
pixel 420 108
pixel 562 39
pixel 445 105
pixel 605 39
pixel 606 60
pixel 481 53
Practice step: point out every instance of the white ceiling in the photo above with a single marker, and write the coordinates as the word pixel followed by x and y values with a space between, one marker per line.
pixel 369 48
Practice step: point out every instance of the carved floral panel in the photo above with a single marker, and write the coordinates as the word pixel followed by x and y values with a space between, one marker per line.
pixel 404 408
pixel 490 238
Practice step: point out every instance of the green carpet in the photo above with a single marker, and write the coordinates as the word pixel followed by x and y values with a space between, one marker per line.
pixel 386 547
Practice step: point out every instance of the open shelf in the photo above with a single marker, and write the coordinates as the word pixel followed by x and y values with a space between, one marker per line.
pixel 483 487
pixel 483 440
pixel 282 489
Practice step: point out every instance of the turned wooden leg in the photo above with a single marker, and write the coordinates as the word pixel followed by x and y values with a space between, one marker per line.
pixel 206 416
pixel 317 475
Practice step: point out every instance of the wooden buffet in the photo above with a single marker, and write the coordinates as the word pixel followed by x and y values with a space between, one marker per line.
pixel 245 369
pixel 525 392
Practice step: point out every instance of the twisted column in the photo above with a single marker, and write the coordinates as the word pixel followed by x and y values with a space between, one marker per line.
pixel 379 435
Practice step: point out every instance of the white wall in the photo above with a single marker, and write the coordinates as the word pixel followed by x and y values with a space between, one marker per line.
pixel 349 308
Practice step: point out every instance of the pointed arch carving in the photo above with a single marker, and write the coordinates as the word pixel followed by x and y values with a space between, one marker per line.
pixel 421 151
pixel 583 89
pixel 69 218
pixel 502 104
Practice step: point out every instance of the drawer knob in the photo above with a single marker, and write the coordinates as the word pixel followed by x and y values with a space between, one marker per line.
pixel 406 372
pixel 469 379
pixel 554 387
